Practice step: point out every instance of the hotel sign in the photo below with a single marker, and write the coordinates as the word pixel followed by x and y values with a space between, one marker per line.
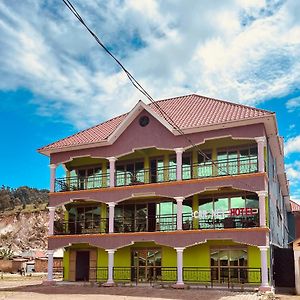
pixel 219 213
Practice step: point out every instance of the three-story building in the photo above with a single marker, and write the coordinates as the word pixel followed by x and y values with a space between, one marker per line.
pixel 147 202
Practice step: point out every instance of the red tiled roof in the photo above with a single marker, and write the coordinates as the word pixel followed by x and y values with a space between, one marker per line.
pixel 189 111
pixel 294 206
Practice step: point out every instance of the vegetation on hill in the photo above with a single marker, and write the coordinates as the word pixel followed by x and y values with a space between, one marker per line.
pixel 23 196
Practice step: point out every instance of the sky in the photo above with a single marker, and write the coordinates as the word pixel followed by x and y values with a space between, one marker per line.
pixel 55 80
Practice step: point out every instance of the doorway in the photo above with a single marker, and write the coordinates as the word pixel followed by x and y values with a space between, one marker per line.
pixel 82 265
pixel 146 265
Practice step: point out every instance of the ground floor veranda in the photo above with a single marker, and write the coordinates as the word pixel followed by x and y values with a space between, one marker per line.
pixel 213 263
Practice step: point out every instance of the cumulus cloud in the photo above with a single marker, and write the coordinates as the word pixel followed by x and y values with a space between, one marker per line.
pixel 292 145
pixel 244 51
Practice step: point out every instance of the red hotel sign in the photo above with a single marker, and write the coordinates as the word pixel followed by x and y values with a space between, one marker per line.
pixel 236 212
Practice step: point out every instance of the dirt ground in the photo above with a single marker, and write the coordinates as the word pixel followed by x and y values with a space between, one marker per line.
pixel 33 289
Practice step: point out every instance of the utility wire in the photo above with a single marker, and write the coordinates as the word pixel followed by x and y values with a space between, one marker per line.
pixel 139 87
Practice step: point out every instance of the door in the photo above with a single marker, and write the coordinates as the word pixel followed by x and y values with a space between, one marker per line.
pixel 146 264
pixel 82 265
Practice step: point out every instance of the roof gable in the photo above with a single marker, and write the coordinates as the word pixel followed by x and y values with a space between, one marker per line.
pixel 139 107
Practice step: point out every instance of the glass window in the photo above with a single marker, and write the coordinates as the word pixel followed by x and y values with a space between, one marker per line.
pixel 237 202
pixel 186 167
pixel 205 165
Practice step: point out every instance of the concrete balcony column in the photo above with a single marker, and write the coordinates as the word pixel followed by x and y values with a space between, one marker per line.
pixel 179 283
pixel 264 268
pixel 179 201
pixel 261 141
pixel 112 170
pixel 179 152
pixel 111 216
pixel 50 265
pixel 51 220
pixel 52 177
pixel 110 277
pixel 262 207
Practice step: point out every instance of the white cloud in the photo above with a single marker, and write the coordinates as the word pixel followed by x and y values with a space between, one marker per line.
pixel 293 174
pixel 244 51
pixel 293 104
pixel 292 145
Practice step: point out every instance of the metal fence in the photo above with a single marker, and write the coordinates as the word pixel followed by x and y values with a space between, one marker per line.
pixel 208 276
pixel 81 227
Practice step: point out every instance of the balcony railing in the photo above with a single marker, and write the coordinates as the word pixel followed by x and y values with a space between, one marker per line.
pixel 209 276
pixel 74 183
pixel 144 176
pixel 146 223
pixel 225 167
pixel 190 223
pixel 243 165
pixel 153 224
pixel 81 227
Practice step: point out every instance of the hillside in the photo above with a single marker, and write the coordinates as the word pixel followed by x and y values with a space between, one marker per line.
pixel 23 219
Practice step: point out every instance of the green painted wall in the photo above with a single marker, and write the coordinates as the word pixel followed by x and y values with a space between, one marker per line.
pixel 168 257
pixel 197 256
pixel 102 262
pixel 66 263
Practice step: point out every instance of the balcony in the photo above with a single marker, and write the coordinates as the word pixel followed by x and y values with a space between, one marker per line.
pixel 244 165
pixel 162 223
pixel 81 227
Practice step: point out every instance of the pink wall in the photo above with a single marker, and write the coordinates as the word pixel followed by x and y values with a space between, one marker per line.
pixel 155 135
pixel 253 236
pixel 249 182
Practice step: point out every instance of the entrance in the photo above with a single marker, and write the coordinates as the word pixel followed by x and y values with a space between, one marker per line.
pixel 82 265
pixel 229 265
pixel 146 264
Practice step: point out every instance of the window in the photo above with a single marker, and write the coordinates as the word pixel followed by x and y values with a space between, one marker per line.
pixel 205 166
pixel 187 166
pixel 216 212
pixel 88 178
pixel 238 161
pixel 130 173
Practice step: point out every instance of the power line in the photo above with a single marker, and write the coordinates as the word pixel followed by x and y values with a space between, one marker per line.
pixel 139 87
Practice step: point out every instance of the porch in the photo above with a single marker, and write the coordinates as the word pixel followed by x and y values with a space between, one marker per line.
pixel 220 157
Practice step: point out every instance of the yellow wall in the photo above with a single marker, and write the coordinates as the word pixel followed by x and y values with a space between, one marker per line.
pixel 66 263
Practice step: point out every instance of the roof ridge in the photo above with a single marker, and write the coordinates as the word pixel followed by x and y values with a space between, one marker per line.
pixel 172 98
pixel 235 104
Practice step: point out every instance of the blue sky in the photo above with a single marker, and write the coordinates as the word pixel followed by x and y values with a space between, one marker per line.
pixel 55 80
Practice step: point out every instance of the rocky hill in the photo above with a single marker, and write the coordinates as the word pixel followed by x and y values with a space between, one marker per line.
pixel 24 231
pixel 23 219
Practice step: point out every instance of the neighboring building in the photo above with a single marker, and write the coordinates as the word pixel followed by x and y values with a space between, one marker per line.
pixel 144 204
pixel 294 221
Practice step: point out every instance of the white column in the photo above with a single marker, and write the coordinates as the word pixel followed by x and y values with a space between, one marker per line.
pixel 262 207
pixel 179 251
pixel 52 177
pixel 112 168
pixel 179 201
pixel 261 141
pixel 50 264
pixel 51 220
pixel 111 216
pixel 264 267
pixel 297 271
pixel 179 152
pixel 110 279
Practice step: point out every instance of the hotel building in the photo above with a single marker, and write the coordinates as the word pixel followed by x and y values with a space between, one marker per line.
pixel 144 202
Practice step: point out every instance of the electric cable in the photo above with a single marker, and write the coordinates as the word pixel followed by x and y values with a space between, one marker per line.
pixel 139 87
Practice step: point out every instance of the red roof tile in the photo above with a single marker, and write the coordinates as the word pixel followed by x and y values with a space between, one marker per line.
pixel 189 111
